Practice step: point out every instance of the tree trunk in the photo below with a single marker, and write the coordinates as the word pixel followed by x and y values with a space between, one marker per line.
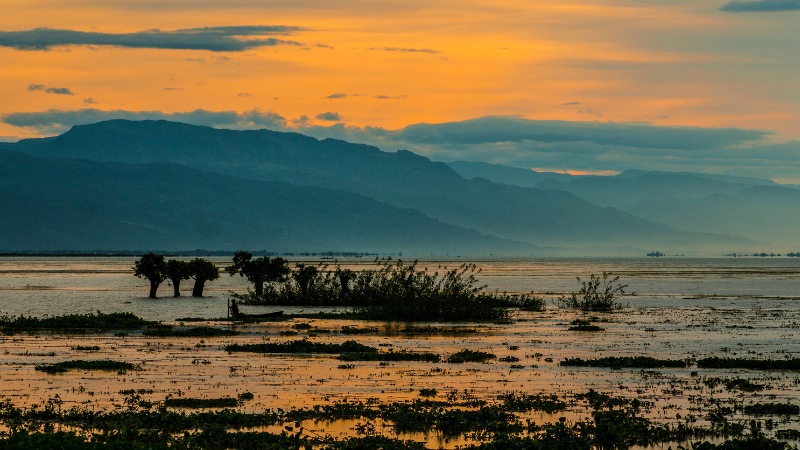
pixel 259 288
pixel 176 284
pixel 197 291
pixel 153 289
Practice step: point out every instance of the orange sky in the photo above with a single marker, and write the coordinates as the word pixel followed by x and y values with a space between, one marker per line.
pixel 661 62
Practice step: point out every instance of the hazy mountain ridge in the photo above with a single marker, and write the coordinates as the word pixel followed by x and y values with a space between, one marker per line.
pixel 48 204
pixel 757 209
pixel 403 179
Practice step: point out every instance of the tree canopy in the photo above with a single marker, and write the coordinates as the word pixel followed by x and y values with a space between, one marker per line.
pixel 259 270
pixel 202 270
pixel 153 268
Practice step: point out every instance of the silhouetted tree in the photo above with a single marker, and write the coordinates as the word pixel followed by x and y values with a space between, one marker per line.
pixel 303 276
pixel 344 275
pixel 202 270
pixel 178 271
pixel 153 268
pixel 260 270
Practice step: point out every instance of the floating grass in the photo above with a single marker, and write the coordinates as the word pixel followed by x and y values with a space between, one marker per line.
pixel 390 356
pixel 301 346
pixel 470 356
pixel 753 364
pixel 189 332
pixel 79 364
pixel 196 403
pixel 775 409
pixel 74 323
pixel 615 362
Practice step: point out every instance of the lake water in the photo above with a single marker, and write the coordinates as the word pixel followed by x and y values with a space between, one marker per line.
pixel 682 308
pixel 54 286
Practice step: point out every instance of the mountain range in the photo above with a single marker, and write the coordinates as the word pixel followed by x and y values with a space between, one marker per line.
pixel 160 184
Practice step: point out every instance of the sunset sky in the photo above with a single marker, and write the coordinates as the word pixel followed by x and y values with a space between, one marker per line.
pixel 586 86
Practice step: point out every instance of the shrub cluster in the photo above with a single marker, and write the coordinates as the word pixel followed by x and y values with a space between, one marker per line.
pixel 394 291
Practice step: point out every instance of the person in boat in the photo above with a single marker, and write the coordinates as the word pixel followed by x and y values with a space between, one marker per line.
pixel 234 308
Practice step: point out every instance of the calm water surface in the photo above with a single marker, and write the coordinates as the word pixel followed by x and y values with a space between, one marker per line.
pixel 54 286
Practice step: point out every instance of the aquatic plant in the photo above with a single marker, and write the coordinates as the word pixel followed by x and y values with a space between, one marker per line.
pixel 389 356
pixel 392 291
pixel 301 346
pixel 189 332
pixel 583 325
pixel 597 294
pixel 744 363
pixel 777 409
pixel 618 362
pixel 223 402
pixel 104 365
pixel 470 356
pixel 73 322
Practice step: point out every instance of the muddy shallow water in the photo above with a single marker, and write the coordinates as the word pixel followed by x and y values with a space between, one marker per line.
pixel 682 309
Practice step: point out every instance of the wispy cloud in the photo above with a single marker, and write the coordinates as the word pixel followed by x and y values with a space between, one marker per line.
pixel 57 121
pixel 762 6
pixel 216 39
pixel 50 90
pixel 89 101
pixel 330 116
pixel 337 95
pixel 409 50
pixel 571 103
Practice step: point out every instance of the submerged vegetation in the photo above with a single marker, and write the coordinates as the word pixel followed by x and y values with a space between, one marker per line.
pixel 390 291
pixel 615 362
pixel 597 294
pixel 74 323
pixel 79 364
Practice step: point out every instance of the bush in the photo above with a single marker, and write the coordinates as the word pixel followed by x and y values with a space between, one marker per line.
pixel 395 291
pixel 596 294
pixel 470 356
pixel 105 365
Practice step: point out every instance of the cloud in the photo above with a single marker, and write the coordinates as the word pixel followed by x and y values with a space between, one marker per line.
pixel 245 94
pixel 51 90
pixel 590 111
pixel 571 103
pixel 762 6
pixel 324 46
pixel 216 39
pixel 497 129
pixel 514 141
pixel 337 95
pixel 330 116
pixel 390 97
pixel 172 89
pixel 89 101
pixel 410 50
pixel 57 121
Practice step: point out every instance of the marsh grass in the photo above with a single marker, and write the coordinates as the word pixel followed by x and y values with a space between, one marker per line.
pixel 470 356
pixel 79 364
pixel 197 403
pixel 390 356
pixel 597 294
pixel 189 332
pixel 74 323
pixel 615 362
pixel 395 291
pixel 302 346
pixel 753 364
pixel 583 325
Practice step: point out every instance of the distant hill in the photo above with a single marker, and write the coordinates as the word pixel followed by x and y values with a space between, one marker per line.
pixel 402 179
pixel 499 173
pixel 54 204
pixel 757 209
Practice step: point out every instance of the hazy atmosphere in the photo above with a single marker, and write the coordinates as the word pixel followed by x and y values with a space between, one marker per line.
pixel 399 225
